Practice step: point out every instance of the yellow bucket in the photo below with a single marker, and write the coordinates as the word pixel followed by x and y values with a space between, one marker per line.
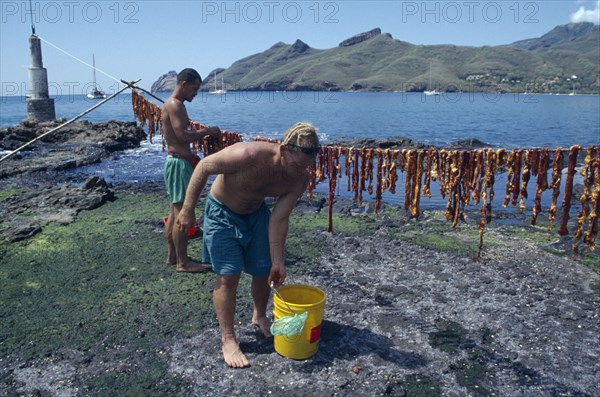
pixel 300 298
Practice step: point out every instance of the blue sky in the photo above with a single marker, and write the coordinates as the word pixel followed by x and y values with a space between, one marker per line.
pixel 145 39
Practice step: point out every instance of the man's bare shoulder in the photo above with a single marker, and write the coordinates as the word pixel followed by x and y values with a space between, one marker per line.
pixel 254 149
pixel 172 103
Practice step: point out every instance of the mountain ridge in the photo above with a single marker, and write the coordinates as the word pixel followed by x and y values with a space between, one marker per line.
pixel 375 61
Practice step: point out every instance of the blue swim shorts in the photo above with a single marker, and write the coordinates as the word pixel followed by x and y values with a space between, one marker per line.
pixel 234 243
pixel 178 173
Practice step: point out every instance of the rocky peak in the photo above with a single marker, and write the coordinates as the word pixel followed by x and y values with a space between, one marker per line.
pixel 165 83
pixel 359 38
pixel 299 46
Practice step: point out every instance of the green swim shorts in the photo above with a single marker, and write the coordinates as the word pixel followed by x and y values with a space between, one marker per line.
pixel 177 177
pixel 234 243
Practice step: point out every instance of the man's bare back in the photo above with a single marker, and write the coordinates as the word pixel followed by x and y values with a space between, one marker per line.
pixel 261 174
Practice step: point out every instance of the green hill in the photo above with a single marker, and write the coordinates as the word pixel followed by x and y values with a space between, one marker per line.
pixel 373 61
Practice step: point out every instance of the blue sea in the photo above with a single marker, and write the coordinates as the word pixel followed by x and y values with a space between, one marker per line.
pixel 501 120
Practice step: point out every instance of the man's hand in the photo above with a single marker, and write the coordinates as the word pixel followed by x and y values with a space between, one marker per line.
pixel 213 131
pixel 277 275
pixel 186 220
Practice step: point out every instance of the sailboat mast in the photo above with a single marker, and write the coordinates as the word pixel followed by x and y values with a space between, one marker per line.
pixel 429 75
pixel 94 64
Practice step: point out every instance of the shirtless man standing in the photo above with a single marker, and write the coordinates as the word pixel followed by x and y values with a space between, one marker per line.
pixel 240 234
pixel 180 164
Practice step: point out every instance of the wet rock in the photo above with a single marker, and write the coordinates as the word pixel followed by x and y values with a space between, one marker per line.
pixel 472 143
pixel 75 145
pixel 388 143
pixel 24 214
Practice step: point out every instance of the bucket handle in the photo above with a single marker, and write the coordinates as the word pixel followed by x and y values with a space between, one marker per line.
pixel 280 297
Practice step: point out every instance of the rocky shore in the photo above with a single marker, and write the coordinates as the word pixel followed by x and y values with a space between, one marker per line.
pixel 89 308
pixel 75 145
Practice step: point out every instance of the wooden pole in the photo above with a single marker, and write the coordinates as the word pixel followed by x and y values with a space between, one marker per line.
pixel 128 85
pixel 141 89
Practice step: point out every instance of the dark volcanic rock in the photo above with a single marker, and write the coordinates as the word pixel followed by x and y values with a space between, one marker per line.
pixel 24 214
pixel 75 145
pixel 472 143
pixel 388 143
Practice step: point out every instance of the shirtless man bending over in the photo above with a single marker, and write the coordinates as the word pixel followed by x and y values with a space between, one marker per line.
pixel 180 163
pixel 240 233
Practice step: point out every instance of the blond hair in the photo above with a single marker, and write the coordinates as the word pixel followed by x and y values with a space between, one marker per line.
pixel 301 134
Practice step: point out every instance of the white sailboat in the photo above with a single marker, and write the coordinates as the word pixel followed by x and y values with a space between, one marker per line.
pixel 573 91
pixel 95 93
pixel 430 92
pixel 216 90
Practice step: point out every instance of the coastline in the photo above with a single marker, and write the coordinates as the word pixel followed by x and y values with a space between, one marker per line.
pixel 91 308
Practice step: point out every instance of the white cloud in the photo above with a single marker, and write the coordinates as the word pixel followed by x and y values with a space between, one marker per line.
pixel 585 15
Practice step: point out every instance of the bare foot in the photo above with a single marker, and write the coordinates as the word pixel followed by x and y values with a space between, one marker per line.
pixel 193 267
pixel 264 324
pixel 171 259
pixel 233 356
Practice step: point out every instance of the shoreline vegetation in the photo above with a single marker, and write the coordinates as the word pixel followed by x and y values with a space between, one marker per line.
pixel 89 307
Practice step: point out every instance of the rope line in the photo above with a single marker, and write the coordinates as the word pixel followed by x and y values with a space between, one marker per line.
pixel 80 60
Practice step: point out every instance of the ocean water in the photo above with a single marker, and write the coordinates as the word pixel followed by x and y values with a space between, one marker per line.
pixel 507 120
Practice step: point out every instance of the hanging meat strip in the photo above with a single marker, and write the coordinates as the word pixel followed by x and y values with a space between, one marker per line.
pixel 410 161
pixel 478 175
pixel 526 176
pixel 586 196
pixel 385 169
pixel 509 179
pixel 486 208
pixel 541 183
pixel 332 168
pixel 415 207
pixel 456 168
pixel 363 174
pixel 428 173
pixel 349 162
pixel 566 204
pixel 453 186
pixel 444 173
pixel 379 181
pixel 392 173
pixel 370 168
pixel 534 161
pixel 557 166
pixel 467 170
pixel 516 185
pixel 356 175
pixel 592 231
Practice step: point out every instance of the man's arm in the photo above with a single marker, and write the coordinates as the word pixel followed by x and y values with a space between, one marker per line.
pixel 180 124
pixel 226 161
pixel 278 229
